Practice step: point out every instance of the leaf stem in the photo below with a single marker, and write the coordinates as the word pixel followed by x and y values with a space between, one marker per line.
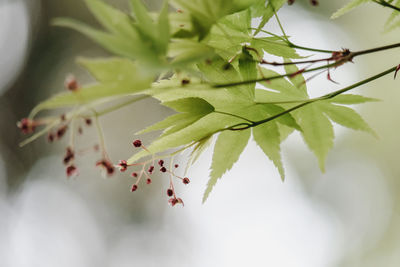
pixel 309 48
pixel 281 27
pixel 242 126
pixel 351 55
pixel 342 59
pixel 373 50
pixel 224 85
pixel 290 44
pixel 233 115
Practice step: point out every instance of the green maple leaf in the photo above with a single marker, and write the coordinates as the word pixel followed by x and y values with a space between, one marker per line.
pixel 189 52
pixel 267 12
pixel 115 76
pixel 317 131
pixel 206 13
pixel 229 146
pixel 139 38
pixel 200 129
pixel 348 7
pixel 191 110
pixel 392 22
pixel 314 119
pixel 274 46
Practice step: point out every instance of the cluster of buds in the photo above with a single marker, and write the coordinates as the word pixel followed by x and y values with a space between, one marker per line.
pixel 148 168
pixel 27 125
pixel 106 166
pixel 342 56
pixel 60 128
pixel 68 160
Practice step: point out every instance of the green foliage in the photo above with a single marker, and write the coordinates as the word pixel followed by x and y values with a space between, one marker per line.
pixel 267 13
pixel 205 13
pixel 138 38
pixel 351 5
pixel 317 131
pixel 115 77
pixel 203 62
pixel 313 119
pixel 268 138
pixel 192 109
pixel 229 146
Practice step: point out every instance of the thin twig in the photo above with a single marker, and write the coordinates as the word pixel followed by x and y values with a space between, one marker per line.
pixel 243 126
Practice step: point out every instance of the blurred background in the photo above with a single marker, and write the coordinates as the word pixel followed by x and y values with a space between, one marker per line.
pixel 348 216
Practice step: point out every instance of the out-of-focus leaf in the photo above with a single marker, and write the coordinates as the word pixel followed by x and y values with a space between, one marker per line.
pixel 351 5
pixel 112 19
pixel 143 19
pixel 141 38
pixel 113 43
pixel 206 13
pixel 116 76
pixel 186 52
pixel 392 22
pixel 163 29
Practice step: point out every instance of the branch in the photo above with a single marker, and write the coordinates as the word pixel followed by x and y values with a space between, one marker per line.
pixel 386 4
pixel 335 56
pixel 243 126
pixel 339 58
pixel 290 44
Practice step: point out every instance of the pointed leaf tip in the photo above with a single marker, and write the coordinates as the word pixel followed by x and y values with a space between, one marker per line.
pixel 227 150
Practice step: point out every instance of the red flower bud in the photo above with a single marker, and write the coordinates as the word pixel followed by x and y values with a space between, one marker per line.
pixel 134 188
pixel 71 171
pixel 137 143
pixel 107 166
pixel 61 131
pixel 26 125
pixel 122 165
pixel 50 137
pixel 69 156
pixel 71 83
pixel 170 192
pixel 151 169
